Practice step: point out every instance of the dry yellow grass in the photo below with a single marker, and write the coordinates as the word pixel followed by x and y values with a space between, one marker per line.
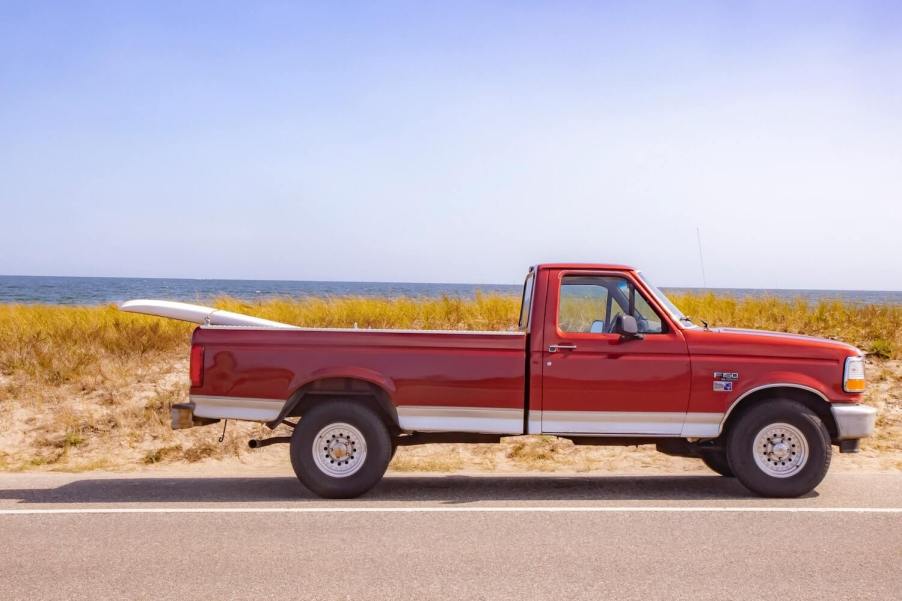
pixel 89 387
pixel 485 312
pixel 876 329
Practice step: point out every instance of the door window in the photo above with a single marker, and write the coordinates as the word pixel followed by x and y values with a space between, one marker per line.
pixel 589 305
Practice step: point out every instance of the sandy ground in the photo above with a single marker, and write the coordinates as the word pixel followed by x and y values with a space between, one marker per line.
pixel 564 458
pixel 121 423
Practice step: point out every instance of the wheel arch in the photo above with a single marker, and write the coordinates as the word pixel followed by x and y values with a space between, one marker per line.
pixel 347 387
pixel 810 397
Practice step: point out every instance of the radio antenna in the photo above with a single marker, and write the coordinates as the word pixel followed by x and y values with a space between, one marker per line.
pixel 701 257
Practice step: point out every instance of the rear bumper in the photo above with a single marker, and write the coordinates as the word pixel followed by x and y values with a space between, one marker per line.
pixel 182 416
pixel 853 421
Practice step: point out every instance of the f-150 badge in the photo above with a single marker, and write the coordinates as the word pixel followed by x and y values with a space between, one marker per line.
pixel 726 375
pixel 723 380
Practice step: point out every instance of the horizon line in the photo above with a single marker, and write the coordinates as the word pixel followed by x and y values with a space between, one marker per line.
pixel 473 284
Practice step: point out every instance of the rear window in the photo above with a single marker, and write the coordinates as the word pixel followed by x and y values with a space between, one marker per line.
pixel 526 302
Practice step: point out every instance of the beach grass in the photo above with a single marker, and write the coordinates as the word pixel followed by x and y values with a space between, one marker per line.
pixel 875 329
pixel 82 387
pixel 60 344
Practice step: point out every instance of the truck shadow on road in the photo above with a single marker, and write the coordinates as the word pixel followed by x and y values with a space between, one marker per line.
pixel 449 489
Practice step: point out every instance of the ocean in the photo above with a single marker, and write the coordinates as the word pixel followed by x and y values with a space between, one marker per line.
pixel 95 291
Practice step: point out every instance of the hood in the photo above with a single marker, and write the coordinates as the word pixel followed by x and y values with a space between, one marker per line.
pixel 739 341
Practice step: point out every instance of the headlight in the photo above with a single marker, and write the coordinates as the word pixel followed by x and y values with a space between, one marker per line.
pixel 853 375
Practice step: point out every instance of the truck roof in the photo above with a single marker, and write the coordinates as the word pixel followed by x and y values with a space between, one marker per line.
pixel 599 266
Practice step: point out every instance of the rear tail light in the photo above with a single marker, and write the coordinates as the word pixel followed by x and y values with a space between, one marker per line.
pixel 197 365
pixel 853 375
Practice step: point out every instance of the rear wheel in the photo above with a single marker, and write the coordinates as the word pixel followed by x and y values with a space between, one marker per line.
pixel 340 449
pixel 779 449
pixel 717 461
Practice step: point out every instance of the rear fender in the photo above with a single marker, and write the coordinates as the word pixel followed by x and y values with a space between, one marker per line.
pixel 361 383
pixel 364 374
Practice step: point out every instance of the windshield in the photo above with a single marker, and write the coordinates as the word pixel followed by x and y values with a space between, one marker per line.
pixel 665 302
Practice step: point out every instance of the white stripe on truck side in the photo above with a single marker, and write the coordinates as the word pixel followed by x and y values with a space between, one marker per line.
pixel 614 423
pixel 424 418
pixel 493 420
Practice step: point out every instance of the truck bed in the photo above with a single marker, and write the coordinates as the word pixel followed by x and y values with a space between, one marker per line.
pixel 437 380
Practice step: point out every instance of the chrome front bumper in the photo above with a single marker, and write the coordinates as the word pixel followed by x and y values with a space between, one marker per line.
pixel 853 421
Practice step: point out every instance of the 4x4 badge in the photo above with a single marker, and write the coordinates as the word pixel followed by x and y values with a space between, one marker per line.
pixel 723 380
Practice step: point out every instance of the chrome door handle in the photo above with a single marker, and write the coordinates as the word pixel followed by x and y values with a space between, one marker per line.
pixel 561 347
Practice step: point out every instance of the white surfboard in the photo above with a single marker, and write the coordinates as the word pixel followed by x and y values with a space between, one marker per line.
pixel 198 314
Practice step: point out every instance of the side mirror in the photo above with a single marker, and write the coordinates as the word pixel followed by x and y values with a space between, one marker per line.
pixel 626 326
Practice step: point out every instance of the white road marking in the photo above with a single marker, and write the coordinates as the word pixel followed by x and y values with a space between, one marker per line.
pixel 489 509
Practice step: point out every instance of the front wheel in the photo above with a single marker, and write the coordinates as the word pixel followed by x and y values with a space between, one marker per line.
pixel 340 449
pixel 779 449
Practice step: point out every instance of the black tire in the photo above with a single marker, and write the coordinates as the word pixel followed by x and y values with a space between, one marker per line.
pixel 717 461
pixel 796 481
pixel 375 460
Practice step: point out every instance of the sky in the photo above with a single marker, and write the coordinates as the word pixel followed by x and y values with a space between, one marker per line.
pixel 453 141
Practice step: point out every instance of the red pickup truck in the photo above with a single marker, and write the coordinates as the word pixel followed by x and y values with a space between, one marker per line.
pixel 600 357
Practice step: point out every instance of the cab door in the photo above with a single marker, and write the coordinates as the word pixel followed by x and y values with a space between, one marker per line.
pixel 597 382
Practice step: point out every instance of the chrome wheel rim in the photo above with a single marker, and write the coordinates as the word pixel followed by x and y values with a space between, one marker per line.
pixel 780 450
pixel 339 450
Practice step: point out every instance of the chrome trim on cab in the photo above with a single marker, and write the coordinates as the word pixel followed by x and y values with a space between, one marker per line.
pixel 654 423
pixel 425 418
pixel 612 422
pixel 853 421
pixel 227 407
pixel 702 425
pixel 421 418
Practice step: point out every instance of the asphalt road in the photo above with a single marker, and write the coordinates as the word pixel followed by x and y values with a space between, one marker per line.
pixel 447 537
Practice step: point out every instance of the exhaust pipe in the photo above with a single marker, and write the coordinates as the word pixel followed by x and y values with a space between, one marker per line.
pixel 256 443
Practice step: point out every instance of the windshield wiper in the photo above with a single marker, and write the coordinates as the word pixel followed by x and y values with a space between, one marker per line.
pixel 685 319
